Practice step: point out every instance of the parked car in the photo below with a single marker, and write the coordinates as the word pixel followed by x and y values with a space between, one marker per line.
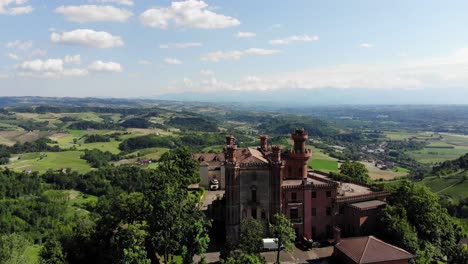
pixel 214 184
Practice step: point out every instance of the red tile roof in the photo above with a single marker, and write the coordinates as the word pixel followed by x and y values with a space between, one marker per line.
pixel 371 250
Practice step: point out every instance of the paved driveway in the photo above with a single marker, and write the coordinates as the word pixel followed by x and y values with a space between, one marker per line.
pixel 210 197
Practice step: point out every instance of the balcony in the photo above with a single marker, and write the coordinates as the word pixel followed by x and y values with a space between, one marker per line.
pixel 296 221
pixel 294 202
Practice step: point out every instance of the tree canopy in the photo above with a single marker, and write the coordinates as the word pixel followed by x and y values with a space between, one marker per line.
pixel 415 221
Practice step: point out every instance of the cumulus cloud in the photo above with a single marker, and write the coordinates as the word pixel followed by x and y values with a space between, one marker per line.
pixel 18 44
pixel 172 61
pixel 101 66
pixel 190 13
pixel 206 72
pixel 38 52
pixel 236 54
pixel 295 38
pixel 119 2
pixel 446 71
pixel 87 37
pixel 180 45
pixel 55 68
pixel 144 62
pixel 94 13
pixel 49 65
pixel 15 7
pixel 245 34
pixel 366 45
pixel 13 56
pixel 75 59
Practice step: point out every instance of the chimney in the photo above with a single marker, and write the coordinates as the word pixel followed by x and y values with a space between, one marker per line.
pixel 276 153
pixel 229 140
pixel 337 234
pixel 264 142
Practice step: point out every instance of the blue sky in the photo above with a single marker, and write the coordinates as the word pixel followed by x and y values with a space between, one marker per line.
pixel 143 48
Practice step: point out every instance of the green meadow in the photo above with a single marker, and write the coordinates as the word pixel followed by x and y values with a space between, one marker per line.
pixel 43 161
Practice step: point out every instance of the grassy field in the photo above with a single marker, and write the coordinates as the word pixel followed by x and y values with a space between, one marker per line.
pixel 453 185
pixel 43 161
pixel 376 173
pixel 447 147
pixel 322 162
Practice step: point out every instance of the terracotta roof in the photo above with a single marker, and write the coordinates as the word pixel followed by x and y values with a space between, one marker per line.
pixel 369 249
pixel 250 155
pixel 209 157
pixel 368 204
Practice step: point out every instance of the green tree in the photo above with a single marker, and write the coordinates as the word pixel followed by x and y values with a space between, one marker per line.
pixel 415 220
pixel 13 249
pixel 130 240
pixel 51 253
pixel 284 233
pixel 251 233
pixel 355 170
pixel 244 259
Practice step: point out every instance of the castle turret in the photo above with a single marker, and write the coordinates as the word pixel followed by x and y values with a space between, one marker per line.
pixel 276 157
pixel 264 142
pixel 276 180
pixel 299 155
pixel 229 140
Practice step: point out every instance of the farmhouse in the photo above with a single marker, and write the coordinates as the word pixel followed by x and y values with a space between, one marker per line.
pixel 266 180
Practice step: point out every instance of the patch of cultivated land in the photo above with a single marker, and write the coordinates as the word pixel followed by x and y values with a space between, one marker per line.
pixel 44 161
pixel 322 162
pixel 455 185
pixel 448 147
pixel 9 138
pixel 376 173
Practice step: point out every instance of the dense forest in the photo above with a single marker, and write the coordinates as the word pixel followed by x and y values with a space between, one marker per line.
pixel 127 224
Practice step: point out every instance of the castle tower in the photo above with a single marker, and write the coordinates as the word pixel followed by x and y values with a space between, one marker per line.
pixel 299 155
pixel 264 143
pixel 276 180
pixel 232 191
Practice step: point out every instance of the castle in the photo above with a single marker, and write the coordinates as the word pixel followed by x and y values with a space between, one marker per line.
pixel 266 180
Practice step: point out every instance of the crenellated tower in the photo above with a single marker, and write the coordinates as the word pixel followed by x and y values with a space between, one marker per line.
pixel 276 180
pixel 232 191
pixel 299 155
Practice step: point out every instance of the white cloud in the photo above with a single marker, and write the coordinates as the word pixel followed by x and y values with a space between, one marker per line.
pixel 236 54
pixel 180 45
pixel 144 62
pixel 38 52
pixel 101 66
pixel 93 13
pixel 295 38
pixel 449 71
pixel 245 34
pixel 119 2
pixel 55 68
pixel 75 59
pixel 13 56
pixel 172 61
pixel 87 37
pixel 223 55
pixel 190 13
pixel 49 65
pixel 366 45
pixel 15 7
pixel 206 72
pixel 261 51
pixel 18 44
